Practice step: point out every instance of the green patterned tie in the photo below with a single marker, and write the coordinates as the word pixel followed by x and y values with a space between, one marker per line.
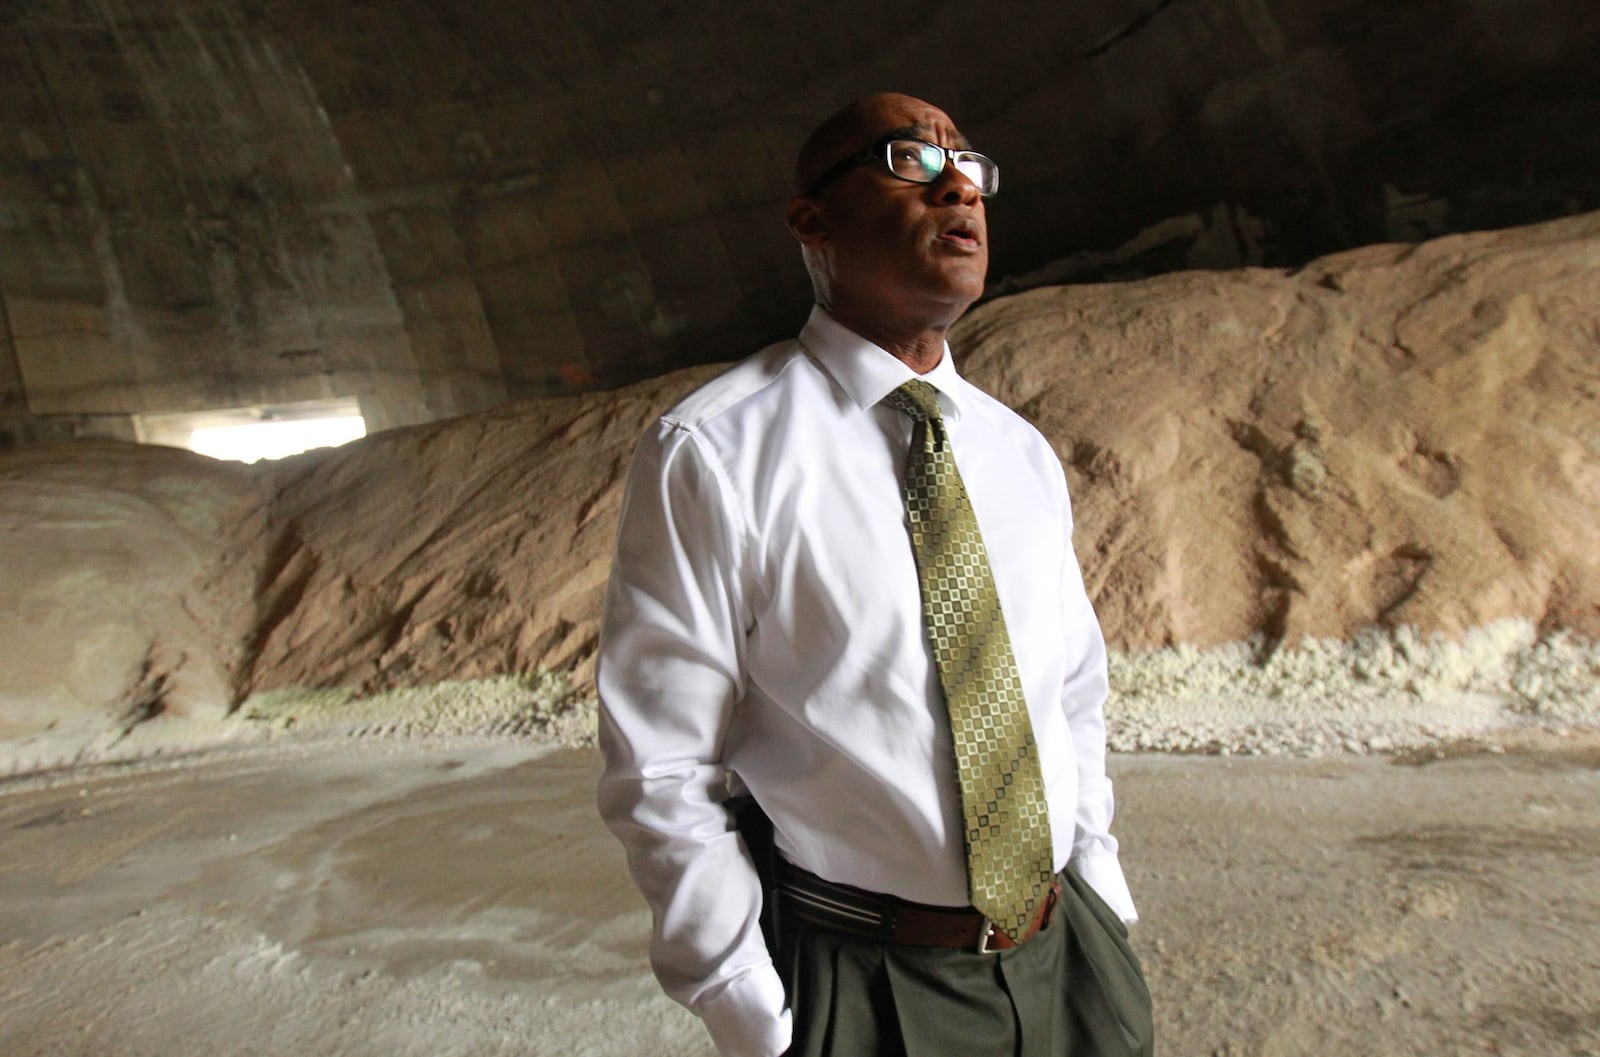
pixel 1010 864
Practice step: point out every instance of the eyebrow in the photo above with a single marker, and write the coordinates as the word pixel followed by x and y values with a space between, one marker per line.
pixel 923 132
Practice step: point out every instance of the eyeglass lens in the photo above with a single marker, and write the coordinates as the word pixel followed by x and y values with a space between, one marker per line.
pixel 921 162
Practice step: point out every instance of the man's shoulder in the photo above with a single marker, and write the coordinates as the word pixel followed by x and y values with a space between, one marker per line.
pixel 1001 416
pixel 736 387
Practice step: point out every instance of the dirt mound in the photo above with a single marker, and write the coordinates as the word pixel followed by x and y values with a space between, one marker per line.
pixel 1393 436
pixel 100 545
pixel 464 549
pixel 1398 436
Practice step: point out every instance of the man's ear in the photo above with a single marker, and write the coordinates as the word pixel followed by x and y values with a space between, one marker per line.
pixel 804 215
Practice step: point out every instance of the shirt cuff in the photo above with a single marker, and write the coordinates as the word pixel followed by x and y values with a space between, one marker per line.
pixel 1104 874
pixel 747 1018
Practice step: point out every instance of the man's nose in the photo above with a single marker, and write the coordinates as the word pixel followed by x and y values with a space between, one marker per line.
pixel 953 187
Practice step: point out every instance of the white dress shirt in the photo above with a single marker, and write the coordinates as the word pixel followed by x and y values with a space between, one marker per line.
pixel 764 620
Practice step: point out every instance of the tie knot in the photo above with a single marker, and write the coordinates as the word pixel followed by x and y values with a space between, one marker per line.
pixel 918 399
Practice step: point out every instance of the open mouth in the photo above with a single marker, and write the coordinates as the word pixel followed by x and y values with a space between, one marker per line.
pixel 961 235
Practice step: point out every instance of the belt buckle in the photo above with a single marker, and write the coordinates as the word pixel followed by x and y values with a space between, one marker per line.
pixel 984 935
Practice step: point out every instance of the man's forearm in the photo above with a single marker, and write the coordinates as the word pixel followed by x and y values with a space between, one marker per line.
pixel 706 948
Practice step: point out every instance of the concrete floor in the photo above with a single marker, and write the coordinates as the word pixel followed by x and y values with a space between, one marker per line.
pixel 387 897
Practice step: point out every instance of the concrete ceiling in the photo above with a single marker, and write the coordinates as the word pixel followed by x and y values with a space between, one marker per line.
pixel 433 207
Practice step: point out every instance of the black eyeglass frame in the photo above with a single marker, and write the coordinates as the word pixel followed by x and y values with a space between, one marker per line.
pixel 879 151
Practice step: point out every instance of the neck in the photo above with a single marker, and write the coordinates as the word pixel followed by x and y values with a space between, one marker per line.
pixel 918 347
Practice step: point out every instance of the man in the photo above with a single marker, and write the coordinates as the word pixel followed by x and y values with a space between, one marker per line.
pixel 775 624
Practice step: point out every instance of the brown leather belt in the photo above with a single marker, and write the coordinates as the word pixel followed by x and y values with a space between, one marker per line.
pixel 891 920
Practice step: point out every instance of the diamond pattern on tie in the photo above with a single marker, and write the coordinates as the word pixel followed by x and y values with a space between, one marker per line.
pixel 1010 863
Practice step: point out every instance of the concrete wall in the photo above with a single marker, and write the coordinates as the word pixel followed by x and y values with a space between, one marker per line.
pixel 433 206
pixel 180 229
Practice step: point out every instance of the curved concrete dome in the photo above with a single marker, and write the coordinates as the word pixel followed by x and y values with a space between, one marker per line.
pixel 432 207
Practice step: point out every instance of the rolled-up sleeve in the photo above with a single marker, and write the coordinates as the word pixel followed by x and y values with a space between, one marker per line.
pixel 670 673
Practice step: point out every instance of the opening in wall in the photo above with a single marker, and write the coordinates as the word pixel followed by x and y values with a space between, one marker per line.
pixel 248 434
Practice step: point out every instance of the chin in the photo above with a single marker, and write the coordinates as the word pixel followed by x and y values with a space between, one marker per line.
pixel 968 290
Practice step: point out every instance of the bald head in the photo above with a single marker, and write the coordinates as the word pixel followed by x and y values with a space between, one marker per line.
pixel 862 123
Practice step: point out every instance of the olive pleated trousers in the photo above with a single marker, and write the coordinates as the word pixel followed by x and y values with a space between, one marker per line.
pixel 1074 990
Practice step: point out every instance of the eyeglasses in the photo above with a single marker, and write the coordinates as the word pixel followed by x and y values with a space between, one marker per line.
pixel 920 162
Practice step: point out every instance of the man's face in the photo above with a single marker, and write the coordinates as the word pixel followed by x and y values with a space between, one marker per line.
pixel 888 241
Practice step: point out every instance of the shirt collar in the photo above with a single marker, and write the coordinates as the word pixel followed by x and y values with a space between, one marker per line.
pixel 868 373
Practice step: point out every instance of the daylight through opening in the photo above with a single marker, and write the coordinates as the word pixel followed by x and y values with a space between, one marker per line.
pixel 249 434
